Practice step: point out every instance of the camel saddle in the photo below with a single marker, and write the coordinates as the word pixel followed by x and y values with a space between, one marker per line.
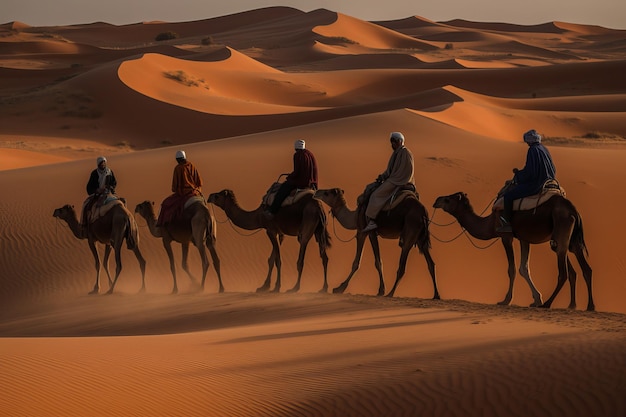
pixel 103 205
pixel 549 190
pixel 401 194
pixel 293 196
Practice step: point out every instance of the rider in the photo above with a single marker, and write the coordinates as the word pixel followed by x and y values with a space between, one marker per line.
pixel 529 180
pixel 399 172
pixel 101 182
pixel 304 175
pixel 186 183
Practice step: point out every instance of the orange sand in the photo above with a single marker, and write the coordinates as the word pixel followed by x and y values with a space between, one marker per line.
pixel 461 92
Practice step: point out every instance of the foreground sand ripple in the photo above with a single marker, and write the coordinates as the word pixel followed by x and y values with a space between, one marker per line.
pixel 309 355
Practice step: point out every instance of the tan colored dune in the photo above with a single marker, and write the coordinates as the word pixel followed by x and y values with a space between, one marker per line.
pixel 461 92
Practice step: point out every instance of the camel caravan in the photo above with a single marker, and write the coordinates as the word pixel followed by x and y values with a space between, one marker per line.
pixel 531 208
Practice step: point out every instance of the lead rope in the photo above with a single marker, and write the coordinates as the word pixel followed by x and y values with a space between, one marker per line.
pixel 233 226
pixel 335 230
pixel 463 230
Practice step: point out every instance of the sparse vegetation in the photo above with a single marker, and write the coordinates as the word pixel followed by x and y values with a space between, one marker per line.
pixel 449 46
pixel 207 41
pixel 166 36
pixel 183 78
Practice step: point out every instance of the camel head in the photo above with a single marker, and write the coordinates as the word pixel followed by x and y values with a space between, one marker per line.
pixel 145 209
pixel 452 203
pixel 220 199
pixel 65 213
pixel 333 196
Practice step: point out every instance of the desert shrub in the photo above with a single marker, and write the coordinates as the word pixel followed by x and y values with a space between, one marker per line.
pixel 208 40
pixel 181 77
pixel 592 135
pixel 166 36
pixel 449 46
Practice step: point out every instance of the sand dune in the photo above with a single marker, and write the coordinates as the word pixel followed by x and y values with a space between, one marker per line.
pixel 234 92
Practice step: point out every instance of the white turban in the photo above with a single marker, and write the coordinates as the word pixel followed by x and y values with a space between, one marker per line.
pixel 397 137
pixel 100 160
pixel 299 144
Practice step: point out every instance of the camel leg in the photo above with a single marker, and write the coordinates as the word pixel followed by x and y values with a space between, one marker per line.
pixel 185 263
pixel 360 241
pixel 324 257
pixel 404 255
pixel 167 244
pixel 279 263
pixel 571 276
pixel 507 242
pixel 560 244
pixel 587 273
pixel 216 265
pixel 205 264
pixel 524 271
pixel 431 271
pixel 274 259
pixel 118 264
pixel 378 263
pixel 105 263
pixel 304 242
pixel 94 251
pixel 142 266
pixel 562 263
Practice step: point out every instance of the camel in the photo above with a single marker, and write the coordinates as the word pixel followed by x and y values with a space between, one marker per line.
pixel 196 225
pixel 111 230
pixel 304 219
pixel 556 220
pixel 407 222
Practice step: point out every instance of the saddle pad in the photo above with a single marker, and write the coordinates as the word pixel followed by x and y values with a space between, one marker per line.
pixel 98 211
pixel 397 198
pixel 192 200
pixel 293 197
pixel 530 202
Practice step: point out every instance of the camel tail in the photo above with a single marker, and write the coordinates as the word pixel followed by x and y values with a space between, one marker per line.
pixel 423 240
pixel 322 236
pixel 211 233
pixel 132 234
pixel 578 236
pixel 132 231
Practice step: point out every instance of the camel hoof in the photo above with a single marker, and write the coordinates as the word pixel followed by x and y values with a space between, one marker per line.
pixel 293 290
pixel 276 290
pixel 503 303
pixel 338 290
pixel 390 295
pixel 544 305
pixel 94 292
pixel 323 290
pixel 142 290
pixel 109 292
pixel 221 291
pixel 174 291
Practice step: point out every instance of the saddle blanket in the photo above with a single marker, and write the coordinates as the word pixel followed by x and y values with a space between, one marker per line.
pixel 103 206
pixel 399 197
pixel 530 202
pixel 293 197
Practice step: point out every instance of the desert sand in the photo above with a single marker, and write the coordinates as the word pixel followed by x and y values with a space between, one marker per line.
pixel 234 92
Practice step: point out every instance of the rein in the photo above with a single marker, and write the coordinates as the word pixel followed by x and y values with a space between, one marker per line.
pixel 232 225
pixel 335 230
pixel 463 230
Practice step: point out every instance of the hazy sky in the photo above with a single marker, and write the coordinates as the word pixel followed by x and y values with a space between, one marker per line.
pixel 608 13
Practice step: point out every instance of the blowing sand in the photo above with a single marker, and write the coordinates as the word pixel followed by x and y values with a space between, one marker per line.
pixel 234 92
